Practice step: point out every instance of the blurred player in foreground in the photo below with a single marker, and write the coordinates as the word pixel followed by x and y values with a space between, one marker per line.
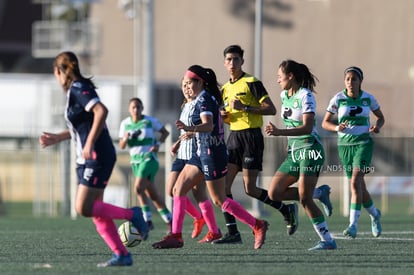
pixel 85 118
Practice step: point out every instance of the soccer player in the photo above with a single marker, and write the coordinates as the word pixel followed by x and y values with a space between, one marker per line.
pixel 85 116
pixel 246 101
pixel 355 145
pixel 305 152
pixel 183 149
pixel 138 132
pixel 209 160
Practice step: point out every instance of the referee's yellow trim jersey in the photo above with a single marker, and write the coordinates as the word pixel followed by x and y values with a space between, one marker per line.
pixel 251 92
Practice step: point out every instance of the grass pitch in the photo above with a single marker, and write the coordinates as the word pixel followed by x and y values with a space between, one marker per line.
pixel 31 245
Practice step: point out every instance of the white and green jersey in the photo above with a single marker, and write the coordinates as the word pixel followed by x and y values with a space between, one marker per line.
pixel 141 137
pixel 356 112
pixel 293 108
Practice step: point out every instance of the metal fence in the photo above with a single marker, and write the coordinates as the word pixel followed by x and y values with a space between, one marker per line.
pixel 45 177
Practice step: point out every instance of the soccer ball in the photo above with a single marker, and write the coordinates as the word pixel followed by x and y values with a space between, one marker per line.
pixel 129 234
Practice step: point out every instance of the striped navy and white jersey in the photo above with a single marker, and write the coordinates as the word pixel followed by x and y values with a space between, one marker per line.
pixel 186 145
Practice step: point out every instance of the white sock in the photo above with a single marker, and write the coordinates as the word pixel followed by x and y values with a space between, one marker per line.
pixel 354 217
pixel 322 231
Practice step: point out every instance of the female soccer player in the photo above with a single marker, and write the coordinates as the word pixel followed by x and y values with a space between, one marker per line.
pixel 305 152
pixel 85 117
pixel 183 149
pixel 355 145
pixel 209 160
pixel 138 133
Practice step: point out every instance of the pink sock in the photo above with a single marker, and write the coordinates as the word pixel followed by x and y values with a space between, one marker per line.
pixel 178 213
pixel 109 211
pixel 192 210
pixel 109 233
pixel 239 212
pixel 208 214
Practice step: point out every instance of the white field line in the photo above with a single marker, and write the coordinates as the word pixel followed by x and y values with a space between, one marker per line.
pixel 384 236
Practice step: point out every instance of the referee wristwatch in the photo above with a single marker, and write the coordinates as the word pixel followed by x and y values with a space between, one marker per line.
pixel 246 108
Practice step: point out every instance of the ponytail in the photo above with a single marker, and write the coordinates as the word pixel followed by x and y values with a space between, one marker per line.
pixel 300 72
pixel 209 78
pixel 68 64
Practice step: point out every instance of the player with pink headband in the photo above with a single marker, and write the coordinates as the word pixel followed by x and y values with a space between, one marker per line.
pixel 209 160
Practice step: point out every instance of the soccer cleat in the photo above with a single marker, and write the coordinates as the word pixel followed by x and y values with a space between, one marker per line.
pixel 150 225
pixel 117 260
pixel 350 232
pixel 198 227
pixel 376 225
pixel 325 200
pixel 210 237
pixel 139 222
pixel 291 219
pixel 324 245
pixel 259 232
pixel 170 241
pixel 229 239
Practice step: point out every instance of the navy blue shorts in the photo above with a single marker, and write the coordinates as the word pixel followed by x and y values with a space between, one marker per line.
pixel 95 173
pixel 178 165
pixel 213 165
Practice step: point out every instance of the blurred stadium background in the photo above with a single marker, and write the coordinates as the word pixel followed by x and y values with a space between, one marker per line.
pixel 142 47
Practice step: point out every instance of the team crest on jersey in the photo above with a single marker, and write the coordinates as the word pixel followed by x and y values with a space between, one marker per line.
pixel 295 104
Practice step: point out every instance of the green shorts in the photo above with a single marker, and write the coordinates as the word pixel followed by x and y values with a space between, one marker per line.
pixel 356 156
pixel 307 161
pixel 146 169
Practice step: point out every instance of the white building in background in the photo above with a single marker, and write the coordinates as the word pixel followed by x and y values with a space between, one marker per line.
pixel 30 104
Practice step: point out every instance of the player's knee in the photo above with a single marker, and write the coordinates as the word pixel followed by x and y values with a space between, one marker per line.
pixel 139 190
pixel 274 195
pixel 251 191
pixel 83 210
pixel 217 202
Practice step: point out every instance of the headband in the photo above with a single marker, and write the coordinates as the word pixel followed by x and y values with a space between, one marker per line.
pixel 193 75
pixel 355 70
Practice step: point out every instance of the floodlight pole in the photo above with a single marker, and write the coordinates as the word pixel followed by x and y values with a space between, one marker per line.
pixel 257 206
pixel 145 88
pixel 258 39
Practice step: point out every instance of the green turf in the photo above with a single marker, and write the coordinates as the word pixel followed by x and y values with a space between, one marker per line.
pixel 63 246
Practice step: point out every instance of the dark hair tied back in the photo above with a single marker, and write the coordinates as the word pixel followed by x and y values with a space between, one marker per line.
pixel 210 81
pixel 300 72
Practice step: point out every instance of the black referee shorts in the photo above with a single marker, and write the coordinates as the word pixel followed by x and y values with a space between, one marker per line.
pixel 246 148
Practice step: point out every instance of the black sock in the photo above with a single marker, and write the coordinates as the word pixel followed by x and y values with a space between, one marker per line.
pixel 275 204
pixel 230 220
